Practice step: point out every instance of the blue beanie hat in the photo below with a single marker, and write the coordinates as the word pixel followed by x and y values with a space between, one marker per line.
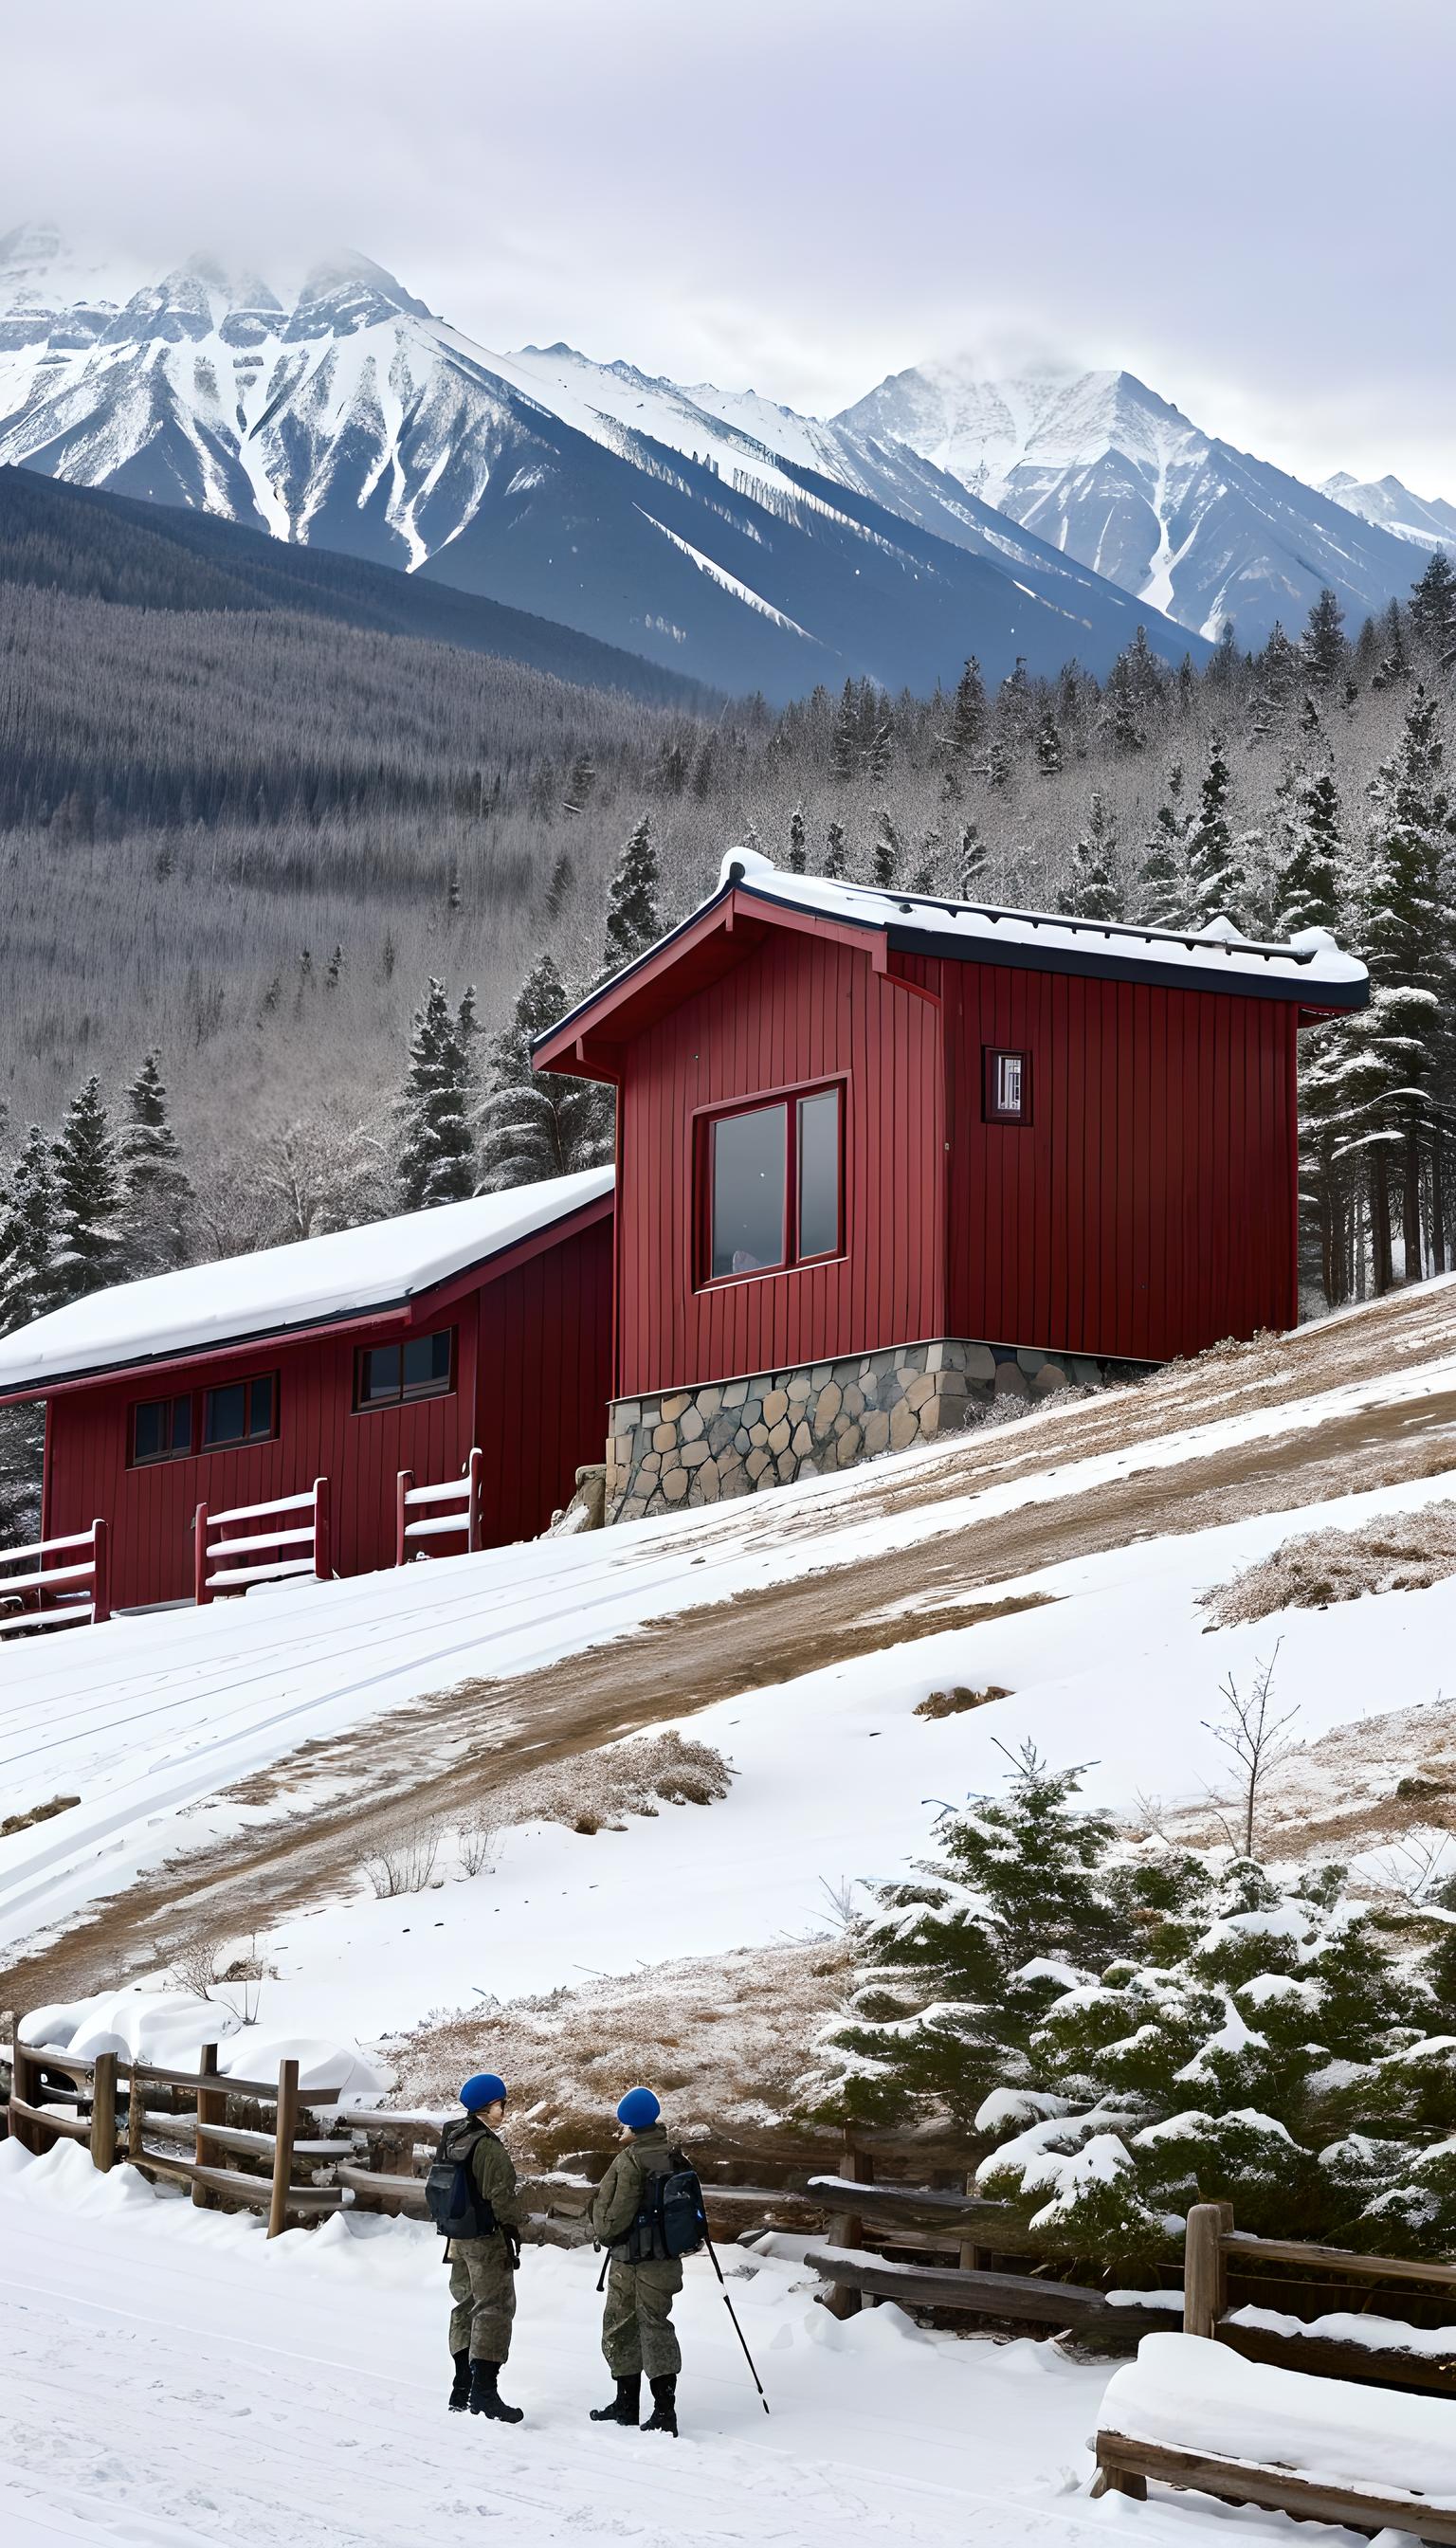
pixel 639 2109
pixel 485 2089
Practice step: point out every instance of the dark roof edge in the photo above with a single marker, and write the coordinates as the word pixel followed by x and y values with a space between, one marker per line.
pixel 1107 966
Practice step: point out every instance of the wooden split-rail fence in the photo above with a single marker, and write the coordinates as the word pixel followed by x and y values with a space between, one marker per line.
pixel 300 2157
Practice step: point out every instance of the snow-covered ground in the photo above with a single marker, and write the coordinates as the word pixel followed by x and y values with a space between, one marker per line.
pixel 145 1720
pixel 172 2377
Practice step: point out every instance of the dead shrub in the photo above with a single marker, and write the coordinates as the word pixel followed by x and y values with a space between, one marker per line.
pixel 478 1839
pixel 404 1861
pixel 954 1702
pixel 1400 1553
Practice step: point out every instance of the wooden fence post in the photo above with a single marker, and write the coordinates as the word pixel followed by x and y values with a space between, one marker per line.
pixel 23 2089
pixel 286 2122
pixel 404 1485
pixel 847 2229
pixel 212 2108
pixel 969 2256
pixel 1204 2280
pixel 473 1522
pixel 101 1572
pixel 200 1591
pixel 323 1531
pixel 135 2117
pixel 103 2112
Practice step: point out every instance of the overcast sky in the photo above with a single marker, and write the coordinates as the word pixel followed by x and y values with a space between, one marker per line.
pixel 1249 205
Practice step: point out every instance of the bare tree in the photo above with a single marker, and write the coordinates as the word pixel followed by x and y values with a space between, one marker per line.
pixel 1251 1736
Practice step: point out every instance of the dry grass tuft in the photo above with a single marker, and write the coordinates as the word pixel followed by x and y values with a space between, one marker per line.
pixel 720 2038
pixel 36 1815
pixel 595 1789
pixel 954 1702
pixel 1402 1553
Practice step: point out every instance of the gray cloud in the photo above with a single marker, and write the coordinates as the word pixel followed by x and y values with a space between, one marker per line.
pixel 1249 206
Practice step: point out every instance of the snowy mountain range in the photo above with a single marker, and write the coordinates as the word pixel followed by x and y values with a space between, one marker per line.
pixel 346 415
pixel 714 532
pixel 1106 471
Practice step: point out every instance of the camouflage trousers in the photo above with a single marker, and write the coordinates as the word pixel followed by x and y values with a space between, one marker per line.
pixel 483 2288
pixel 637 2330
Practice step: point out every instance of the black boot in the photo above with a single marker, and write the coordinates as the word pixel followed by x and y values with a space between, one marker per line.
pixel 625 2407
pixel 485 2397
pixel 664 2417
pixel 460 2385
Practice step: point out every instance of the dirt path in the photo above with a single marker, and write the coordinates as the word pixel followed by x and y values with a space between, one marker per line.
pixel 433 1756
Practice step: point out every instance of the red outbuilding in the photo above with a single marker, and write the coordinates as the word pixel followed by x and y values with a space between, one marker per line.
pixel 883 1158
pixel 282 1395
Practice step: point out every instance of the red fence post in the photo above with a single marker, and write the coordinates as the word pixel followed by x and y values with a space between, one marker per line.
pixel 473 1514
pixel 200 1591
pixel 322 1532
pixel 402 1484
pixel 100 1572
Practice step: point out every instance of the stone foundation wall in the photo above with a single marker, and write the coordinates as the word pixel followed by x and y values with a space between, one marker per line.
pixel 694 1446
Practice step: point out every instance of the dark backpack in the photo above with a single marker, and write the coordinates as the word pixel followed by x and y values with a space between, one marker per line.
pixel 452 2198
pixel 671 2220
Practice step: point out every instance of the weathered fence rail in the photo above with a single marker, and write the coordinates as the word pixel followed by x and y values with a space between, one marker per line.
pixel 78 1591
pixel 430 1508
pixel 267 1550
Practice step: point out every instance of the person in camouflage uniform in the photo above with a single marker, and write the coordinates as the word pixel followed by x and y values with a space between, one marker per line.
pixel 637 2330
pixel 483 2271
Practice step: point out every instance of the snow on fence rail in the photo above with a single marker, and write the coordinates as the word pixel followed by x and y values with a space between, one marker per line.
pixel 79 1588
pixel 313 1535
pixel 430 1502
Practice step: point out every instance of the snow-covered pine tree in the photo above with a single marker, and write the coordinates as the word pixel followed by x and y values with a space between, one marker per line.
pixel 1049 746
pixel 1309 876
pixel 30 1214
pixel 798 856
pixel 1325 647
pixel 1265 2046
pixel 437 1155
pixel 1433 610
pixel 836 857
pixel 532 1123
pixel 157 1189
pixel 90 1227
pixel 959 1962
pixel 632 921
pixel 1094 892
pixel 885 857
pixel 1218 882
pixel 1164 891
pixel 1408 938
pixel 973 859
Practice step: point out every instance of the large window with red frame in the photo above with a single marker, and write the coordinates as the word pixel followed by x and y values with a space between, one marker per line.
pixel 772 1190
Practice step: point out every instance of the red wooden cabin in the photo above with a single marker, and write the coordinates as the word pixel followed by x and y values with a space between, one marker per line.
pixel 882 1159
pixel 398 1347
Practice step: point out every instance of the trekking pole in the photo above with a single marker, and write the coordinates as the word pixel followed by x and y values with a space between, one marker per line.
pixel 737 2329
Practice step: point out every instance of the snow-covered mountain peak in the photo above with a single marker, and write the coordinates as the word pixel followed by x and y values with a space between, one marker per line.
pixel 984 429
pixel 1427 522
pixel 46 278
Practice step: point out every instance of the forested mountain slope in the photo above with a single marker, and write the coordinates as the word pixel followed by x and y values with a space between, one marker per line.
pixel 114 548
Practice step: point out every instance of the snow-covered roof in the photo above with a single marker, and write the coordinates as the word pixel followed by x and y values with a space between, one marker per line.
pixel 1308 968
pixel 383 1265
pixel 1309 964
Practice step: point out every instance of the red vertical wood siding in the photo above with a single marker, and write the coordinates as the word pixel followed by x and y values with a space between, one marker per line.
pixel 532 1372
pixel 1144 1212
pixel 797 1008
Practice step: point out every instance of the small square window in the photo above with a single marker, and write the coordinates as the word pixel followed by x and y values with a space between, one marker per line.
pixel 243 1412
pixel 161 1429
pixel 391 1374
pixel 1008 1085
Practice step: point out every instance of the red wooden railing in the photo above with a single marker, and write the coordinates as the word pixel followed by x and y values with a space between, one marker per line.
pixel 437 1522
pixel 209 1578
pixel 79 1591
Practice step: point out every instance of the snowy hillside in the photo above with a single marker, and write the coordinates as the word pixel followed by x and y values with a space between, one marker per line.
pixel 345 415
pixel 1099 466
